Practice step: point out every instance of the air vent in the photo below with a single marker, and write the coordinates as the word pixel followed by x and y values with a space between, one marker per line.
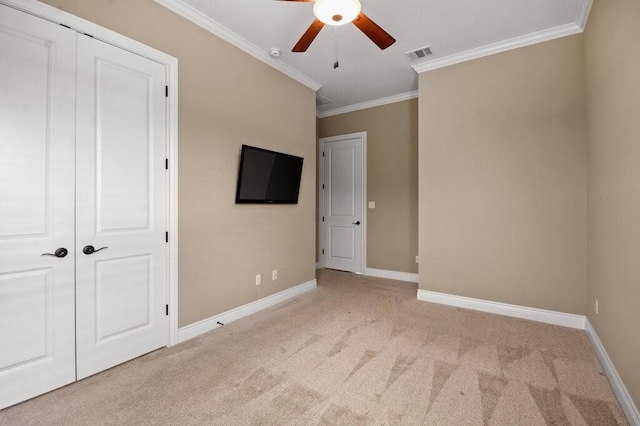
pixel 422 53
pixel 321 100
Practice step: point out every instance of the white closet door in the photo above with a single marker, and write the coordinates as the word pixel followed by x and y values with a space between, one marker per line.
pixel 37 89
pixel 121 206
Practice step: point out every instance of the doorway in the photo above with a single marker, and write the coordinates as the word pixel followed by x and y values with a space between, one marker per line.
pixel 342 187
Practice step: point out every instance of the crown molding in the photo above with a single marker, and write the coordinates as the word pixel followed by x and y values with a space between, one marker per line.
pixel 368 104
pixel 181 8
pixel 583 13
pixel 504 46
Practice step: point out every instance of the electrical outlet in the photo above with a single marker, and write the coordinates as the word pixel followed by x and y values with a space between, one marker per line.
pixel 417 259
pixel 258 279
pixel 596 306
pixel 274 275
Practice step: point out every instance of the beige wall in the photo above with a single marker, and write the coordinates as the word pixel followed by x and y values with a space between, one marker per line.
pixel 612 42
pixel 226 99
pixel 392 180
pixel 503 178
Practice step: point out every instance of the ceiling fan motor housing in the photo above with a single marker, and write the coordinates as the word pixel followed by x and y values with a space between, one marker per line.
pixel 341 12
pixel 336 12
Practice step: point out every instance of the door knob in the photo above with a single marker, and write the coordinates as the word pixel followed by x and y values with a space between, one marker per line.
pixel 91 249
pixel 356 223
pixel 61 252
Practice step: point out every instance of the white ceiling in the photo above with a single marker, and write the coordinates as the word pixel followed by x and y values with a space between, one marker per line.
pixel 456 30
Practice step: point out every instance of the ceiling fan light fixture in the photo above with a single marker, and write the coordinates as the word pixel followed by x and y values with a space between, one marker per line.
pixel 336 12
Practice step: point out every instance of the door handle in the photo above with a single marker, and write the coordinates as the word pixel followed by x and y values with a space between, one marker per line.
pixel 90 249
pixel 61 252
pixel 356 223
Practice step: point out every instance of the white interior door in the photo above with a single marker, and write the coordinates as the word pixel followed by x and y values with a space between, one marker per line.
pixel 37 107
pixel 121 206
pixel 343 197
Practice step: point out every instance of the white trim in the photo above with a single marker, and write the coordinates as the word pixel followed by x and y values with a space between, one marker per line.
pixel 211 323
pixel 76 23
pixel 363 137
pixel 534 314
pixel 392 275
pixel 368 104
pixel 181 8
pixel 629 408
pixel 172 299
pixel 365 223
pixel 320 206
pixel 583 13
pixel 502 46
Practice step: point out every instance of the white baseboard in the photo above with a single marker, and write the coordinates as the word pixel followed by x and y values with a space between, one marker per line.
pixel 392 275
pixel 197 328
pixel 626 402
pixel 534 314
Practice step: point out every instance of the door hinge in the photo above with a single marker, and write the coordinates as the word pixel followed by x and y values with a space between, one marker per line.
pixel 323 153
pixel 323 186
pixel 166 164
pixel 323 218
pixel 166 91
pixel 166 237
pixel 322 251
pixel 166 309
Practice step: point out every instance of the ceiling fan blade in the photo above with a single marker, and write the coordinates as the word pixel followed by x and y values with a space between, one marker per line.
pixel 372 30
pixel 308 37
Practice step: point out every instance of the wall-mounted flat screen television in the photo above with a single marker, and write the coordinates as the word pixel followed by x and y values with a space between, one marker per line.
pixel 268 177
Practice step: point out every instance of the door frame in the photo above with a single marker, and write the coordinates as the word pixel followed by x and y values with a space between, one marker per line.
pixel 171 66
pixel 321 145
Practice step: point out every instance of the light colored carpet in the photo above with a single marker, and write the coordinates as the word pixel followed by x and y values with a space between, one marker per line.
pixel 357 351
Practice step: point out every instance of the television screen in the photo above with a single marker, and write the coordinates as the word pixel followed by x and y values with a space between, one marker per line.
pixel 268 177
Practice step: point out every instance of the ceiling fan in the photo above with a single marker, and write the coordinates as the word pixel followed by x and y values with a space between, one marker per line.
pixel 341 12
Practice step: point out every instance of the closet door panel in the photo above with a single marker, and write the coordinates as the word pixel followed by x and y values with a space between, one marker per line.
pixel 121 206
pixel 124 146
pixel 37 150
